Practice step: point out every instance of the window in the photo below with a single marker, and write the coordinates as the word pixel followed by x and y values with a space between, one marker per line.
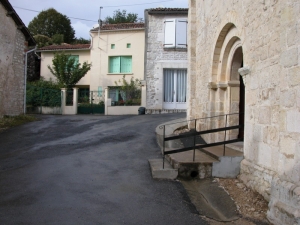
pixel 175 33
pixel 120 64
pixel 75 57
pixel 114 95
pixel 112 46
pixel 175 88
pixel 128 45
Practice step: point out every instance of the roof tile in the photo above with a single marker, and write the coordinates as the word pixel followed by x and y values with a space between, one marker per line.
pixel 64 47
pixel 120 26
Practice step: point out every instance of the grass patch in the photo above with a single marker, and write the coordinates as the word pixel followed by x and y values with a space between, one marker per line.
pixel 12 121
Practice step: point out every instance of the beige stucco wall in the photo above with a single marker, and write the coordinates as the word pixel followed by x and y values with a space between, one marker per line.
pixel 101 50
pixel 268 32
pixel 46 59
pixel 12 48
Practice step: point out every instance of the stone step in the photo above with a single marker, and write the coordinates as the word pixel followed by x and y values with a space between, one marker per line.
pixel 159 171
pixel 208 162
pixel 229 163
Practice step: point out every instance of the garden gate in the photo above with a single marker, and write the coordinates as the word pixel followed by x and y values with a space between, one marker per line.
pixel 91 102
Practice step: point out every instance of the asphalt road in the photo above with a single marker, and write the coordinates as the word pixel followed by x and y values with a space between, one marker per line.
pixel 88 169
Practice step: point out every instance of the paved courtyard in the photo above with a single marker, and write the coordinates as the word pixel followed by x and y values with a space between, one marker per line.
pixel 88 169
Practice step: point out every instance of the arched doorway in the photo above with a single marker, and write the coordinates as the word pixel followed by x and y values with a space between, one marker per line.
pixel 230 90
pixel 237 100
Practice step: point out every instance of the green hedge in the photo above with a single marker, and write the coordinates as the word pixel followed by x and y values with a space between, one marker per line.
pixel 43 93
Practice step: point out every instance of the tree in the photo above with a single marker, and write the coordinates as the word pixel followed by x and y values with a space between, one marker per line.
pixel 42 40
pixel 81 41
pixel 129 91
pixel 57 39
pixel 50 23
pixel 122 17
pixel 66 70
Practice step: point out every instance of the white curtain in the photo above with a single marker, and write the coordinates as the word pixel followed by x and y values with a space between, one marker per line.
pixel 181 86
pixel 113 94
pixel 168 85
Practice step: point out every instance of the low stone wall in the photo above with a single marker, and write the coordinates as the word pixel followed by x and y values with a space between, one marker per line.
pixel 122 110
pixel 44 110
pixel 162 111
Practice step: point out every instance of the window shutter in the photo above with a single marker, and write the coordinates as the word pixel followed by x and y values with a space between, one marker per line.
pixel 181 33
pixel 126 64
pixel 100 91
pixel 75 57
pixel 114 64
pixel 169 33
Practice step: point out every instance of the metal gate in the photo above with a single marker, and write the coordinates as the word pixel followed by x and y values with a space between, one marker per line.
pixel 90 102
pixel 41 100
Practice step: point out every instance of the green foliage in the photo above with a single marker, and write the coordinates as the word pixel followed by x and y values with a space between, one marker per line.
pixel 57 39
pixel 130 91
pixel 122 17
pixel 81 41
pixel 42 40
pixel 43 93
pixel 67 72
pixel 47 84
pixel 51 22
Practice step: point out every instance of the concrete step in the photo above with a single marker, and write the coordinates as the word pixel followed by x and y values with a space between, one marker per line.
pixel 218 151
pixel 228 164
pixel 159 171
pixel 208 162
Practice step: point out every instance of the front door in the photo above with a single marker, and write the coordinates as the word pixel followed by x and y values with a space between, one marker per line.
pixel 175 84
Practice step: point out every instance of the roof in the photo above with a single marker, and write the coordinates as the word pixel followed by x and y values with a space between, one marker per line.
pixel 167 10
pixel 65 47
pixel 121 26
pixel 21 26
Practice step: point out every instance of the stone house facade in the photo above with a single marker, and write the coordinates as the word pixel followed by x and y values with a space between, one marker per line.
pixel 14 41
pixel 166 59
pixel 244 57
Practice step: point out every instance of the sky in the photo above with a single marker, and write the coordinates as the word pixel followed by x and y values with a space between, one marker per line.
pixel 88 11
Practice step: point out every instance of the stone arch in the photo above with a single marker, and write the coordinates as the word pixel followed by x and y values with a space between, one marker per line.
pixel 227 59
pixel 217 50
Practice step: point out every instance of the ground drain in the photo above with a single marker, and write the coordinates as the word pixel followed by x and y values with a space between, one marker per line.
pixel 194 174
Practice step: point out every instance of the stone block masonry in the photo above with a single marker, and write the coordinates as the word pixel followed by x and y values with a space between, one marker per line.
pixel 12 48
pixel 158 58
pixel 262 37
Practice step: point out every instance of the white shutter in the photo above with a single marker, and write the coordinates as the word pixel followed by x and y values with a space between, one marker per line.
pixel 181 32
pixel 170 33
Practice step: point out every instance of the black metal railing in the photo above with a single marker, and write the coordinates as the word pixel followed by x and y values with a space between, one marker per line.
pixel 197 132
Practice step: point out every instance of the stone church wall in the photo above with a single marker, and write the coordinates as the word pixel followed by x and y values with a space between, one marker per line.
pixel 268 31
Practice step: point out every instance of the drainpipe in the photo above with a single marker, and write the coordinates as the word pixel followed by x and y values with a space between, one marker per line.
pixel 25 76
pixel 99 22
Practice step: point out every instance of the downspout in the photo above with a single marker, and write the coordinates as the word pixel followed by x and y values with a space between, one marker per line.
pixel 25 76
pixel 99 22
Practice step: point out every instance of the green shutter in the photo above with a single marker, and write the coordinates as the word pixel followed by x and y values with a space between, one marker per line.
pixel 114 64
pixel 100 91
pixel 76 57
pixel 126 64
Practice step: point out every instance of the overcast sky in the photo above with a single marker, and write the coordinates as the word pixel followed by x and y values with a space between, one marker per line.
pixel 89 10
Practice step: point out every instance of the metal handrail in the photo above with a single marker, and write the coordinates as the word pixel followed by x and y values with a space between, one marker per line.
pixel 195 133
